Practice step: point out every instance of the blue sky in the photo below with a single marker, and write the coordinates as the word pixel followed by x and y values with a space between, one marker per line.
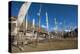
pixel 67 13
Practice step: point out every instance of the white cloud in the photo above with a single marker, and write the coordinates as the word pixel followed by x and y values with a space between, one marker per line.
pixel 55 28
pixel 43 26
pixel 60 23
pixel 67 30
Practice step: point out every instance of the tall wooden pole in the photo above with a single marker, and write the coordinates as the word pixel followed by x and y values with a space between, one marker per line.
pixel 39 19
pixel 55 20
pixel 48 30
pixel 21 16
pixel 33 25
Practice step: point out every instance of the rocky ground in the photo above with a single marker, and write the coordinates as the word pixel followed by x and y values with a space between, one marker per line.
pixel 68 43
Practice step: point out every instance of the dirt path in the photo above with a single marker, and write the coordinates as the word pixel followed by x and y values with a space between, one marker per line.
pixel 53 45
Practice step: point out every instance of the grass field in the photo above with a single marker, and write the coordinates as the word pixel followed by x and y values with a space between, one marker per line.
pixel 69 43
